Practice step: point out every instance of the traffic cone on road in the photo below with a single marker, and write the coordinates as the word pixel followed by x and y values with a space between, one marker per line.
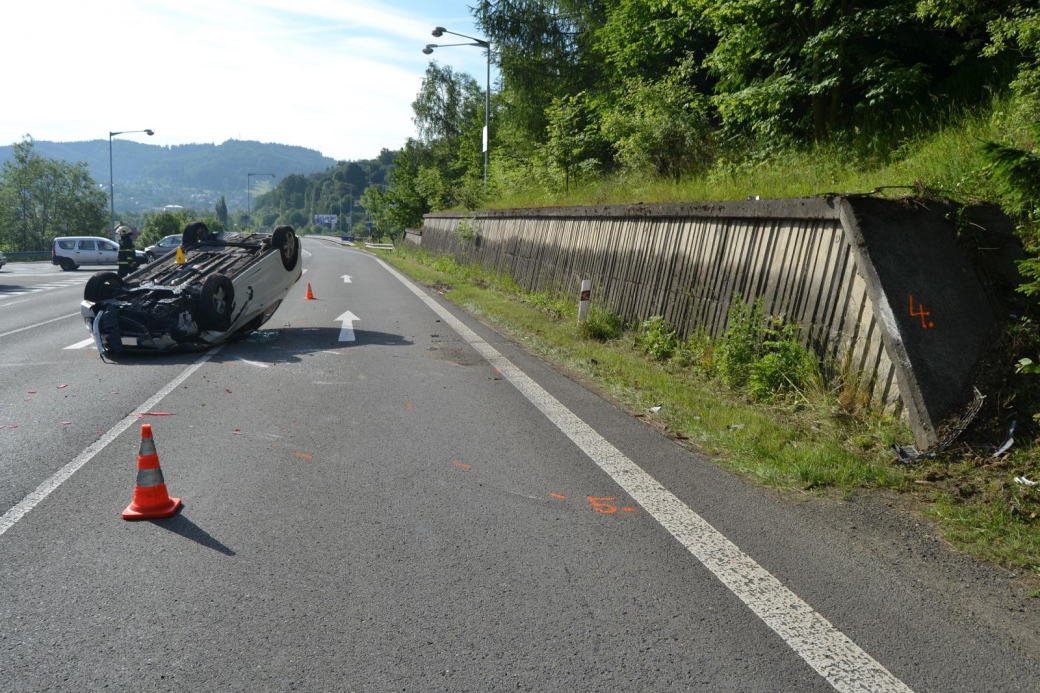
pixel 151 499
pixel 310 294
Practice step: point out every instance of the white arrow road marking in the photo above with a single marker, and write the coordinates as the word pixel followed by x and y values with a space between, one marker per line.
pixel 346 278
pixel 346 333
pixel 80 345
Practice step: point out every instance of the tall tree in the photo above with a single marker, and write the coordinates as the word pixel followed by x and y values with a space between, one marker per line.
pixel 43 198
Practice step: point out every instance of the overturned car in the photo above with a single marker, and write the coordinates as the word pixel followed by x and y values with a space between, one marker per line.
pixel 223 286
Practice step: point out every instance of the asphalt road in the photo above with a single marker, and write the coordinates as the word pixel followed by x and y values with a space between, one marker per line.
pixel 380 493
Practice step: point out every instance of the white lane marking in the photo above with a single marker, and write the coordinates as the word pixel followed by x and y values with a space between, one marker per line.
pixel 80 345
pixel 8 519
pixel 346 332
pixel 251 363
pixel 39 324
pixel 826 649
pixel 14 303
pixel 346 278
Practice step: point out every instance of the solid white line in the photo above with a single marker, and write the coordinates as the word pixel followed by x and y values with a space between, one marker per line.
pixel 826 649
pixel 80 345
pixel 19 511
pixel 14 303
pixel 39 324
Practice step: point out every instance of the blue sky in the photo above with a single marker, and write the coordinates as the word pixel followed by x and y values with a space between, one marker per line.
pixel 338 76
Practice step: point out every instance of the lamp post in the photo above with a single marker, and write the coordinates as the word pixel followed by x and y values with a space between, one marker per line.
pixel 111 194
pixel 479 43
pixel 249 215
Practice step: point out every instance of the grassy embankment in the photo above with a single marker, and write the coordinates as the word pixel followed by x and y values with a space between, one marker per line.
pixel 814 440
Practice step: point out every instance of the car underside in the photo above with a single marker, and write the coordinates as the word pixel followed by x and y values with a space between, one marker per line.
pixel 223 286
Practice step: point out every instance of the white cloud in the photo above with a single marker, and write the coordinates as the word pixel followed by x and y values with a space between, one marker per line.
pixel 336 76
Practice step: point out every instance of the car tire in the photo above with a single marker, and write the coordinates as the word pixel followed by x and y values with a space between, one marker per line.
pixel 216 303
pixel 284 239
pixel 101 286
pixel 67 265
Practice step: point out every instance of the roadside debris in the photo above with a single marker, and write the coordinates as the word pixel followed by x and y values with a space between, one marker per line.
pixel 905 454
pixel 1007 443
pixel 735 427
pixel 654 410
pixel 1026 482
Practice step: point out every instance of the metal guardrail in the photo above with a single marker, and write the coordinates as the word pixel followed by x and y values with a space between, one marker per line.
pixel 29 255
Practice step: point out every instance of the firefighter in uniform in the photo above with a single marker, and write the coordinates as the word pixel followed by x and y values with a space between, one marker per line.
pixel 127 254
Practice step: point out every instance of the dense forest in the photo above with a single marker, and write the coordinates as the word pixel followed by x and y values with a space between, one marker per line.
pixel 609 94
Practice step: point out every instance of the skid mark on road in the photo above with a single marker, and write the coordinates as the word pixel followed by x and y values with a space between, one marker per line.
pixel 834 656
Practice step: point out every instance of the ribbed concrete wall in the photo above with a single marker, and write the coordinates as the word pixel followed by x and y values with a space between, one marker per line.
pixel 804 258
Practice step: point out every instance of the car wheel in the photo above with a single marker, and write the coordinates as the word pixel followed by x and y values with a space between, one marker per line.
pixel 216 303
pixel 101 286
pixel 67 264
pixel 284 239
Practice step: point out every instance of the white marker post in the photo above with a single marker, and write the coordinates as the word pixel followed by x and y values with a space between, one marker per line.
pixel 583 303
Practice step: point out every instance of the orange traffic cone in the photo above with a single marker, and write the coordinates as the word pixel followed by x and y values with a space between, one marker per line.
pixel 310 294
pixel 151 498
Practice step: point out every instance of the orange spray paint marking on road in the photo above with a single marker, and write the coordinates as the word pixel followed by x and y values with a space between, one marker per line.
pixel 629 510
pixel 408 406
pixel 461 464
pixel 557 495
pixel 600 506
pixel 304 455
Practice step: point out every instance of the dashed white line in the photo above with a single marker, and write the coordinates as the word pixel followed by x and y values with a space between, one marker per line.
pixel 8 519
pixel 79 345
pixel 39 324
pixel 830 652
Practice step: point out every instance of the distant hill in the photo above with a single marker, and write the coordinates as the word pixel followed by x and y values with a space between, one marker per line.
pixel 148 176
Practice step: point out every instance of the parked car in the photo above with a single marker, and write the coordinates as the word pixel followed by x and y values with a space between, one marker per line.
pixel 229 285
pixel 71 252
pixel 3 259
pixel 166 245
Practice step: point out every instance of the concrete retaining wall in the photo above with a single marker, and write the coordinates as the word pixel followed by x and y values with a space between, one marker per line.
pixel 879 287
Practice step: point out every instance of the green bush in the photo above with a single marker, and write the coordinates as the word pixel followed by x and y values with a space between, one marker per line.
pixel 741 345
pixel 786 367
pixel 657 339
pixel 601 325
pixel 697 353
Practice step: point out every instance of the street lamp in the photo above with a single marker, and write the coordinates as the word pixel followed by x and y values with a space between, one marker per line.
pixel 111 194
pixel 248 210
pixel 479 43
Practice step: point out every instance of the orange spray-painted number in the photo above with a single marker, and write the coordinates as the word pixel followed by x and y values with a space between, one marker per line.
pixel 921 313
pixel 599 506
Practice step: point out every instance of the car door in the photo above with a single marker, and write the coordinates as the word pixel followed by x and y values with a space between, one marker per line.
pixel 86 252
pixel 108 253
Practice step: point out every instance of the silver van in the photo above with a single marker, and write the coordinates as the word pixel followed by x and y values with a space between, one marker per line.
pixel 73 251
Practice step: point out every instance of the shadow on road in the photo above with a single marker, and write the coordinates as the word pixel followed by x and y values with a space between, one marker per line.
pixel 284 345
pixel 178 524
